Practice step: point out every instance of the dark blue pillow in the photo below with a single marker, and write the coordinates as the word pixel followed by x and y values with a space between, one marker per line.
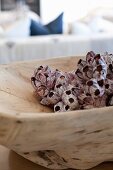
pixel 56 26
pixel 53 27
pixel 36 28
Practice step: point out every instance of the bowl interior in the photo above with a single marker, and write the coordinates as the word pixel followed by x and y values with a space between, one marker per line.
pixel 16 91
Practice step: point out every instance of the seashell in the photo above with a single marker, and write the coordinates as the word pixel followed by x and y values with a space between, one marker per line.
pixel 45 101
pixel 90 57
pixel 109 86
pixel 59 88
pixel 79 74
pixel 72 78
pixel 93 88
pixel 42 91
pixel 53 97
pixel 81 64
pixel 87 72
pixel 100 101
pixel 69 99
pixel 35 83
pixel 62 79
pixel 59 107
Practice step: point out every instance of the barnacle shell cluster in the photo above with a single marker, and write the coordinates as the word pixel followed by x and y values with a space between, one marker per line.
pixel 89 86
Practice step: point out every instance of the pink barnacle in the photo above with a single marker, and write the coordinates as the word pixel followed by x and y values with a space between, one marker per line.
pixel 90 57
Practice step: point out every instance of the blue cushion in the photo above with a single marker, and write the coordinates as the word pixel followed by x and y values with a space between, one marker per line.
pixel 36 28
pixel 56 26
pixel 53 27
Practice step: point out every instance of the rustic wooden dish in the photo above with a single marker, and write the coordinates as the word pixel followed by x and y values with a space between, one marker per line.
pixel 76 139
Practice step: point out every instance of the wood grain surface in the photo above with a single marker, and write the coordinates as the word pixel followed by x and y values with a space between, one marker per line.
pixel 75 139
pixel 9 160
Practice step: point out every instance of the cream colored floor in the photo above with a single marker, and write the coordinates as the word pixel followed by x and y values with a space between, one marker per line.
pixel 9 160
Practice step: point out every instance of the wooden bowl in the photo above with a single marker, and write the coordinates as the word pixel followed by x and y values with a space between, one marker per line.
pixel 75 139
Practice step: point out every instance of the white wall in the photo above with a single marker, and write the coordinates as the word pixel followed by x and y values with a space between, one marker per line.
pixel 73 9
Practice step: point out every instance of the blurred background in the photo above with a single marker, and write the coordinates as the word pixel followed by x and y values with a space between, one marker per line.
pixel 34 29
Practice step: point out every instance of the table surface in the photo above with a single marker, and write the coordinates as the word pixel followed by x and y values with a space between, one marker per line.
pixel 9 160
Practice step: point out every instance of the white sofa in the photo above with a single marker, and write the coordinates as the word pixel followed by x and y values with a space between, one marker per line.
pixel 42 47
pixel 98 38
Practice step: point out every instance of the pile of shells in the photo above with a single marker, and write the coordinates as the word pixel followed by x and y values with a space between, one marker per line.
pixel 89 86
